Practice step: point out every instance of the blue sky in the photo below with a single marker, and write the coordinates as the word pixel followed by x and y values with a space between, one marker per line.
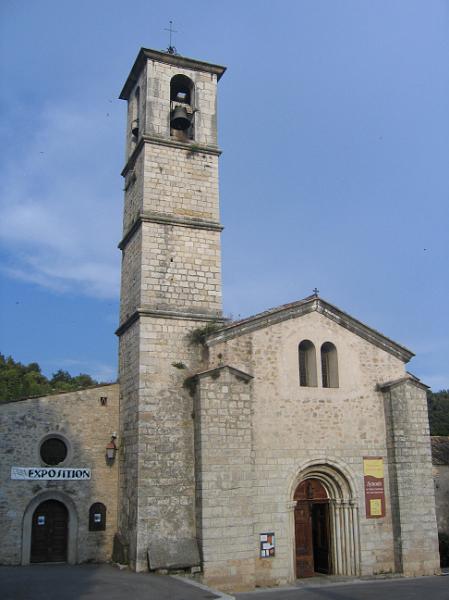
pixel 334 125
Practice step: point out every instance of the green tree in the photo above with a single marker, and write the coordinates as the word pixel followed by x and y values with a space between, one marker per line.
pixel 438 405
pixel 22 381
pixel 61 377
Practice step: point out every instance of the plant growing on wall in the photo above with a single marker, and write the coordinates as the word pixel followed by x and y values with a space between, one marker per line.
pixel 200 334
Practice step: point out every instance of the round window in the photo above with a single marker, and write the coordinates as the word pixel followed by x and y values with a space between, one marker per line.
pixel 53 451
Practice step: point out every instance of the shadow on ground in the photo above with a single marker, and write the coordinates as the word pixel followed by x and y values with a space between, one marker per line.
pixel 92 582
pixel 433 588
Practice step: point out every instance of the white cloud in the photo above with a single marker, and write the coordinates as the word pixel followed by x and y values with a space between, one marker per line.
pixel 60 201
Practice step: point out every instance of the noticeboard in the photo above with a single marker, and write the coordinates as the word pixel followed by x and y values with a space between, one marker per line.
pixel 373 471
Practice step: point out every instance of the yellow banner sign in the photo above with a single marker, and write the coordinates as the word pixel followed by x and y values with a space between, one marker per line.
pixel 373 470
pixel 374 467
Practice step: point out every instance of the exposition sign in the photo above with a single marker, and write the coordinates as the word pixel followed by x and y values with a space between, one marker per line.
pixel 373 470
pixel 49 473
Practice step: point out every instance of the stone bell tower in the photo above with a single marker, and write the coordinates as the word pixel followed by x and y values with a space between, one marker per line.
pixel 171 285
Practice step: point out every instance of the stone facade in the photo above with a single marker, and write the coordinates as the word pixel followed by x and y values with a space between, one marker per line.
pixel 223 425
pixel 295 428
pixel 214 458
pixel 86 426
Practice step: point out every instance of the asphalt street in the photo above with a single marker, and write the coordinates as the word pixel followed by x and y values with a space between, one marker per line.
pixel 422 588
pixel 105 582
pixel 92 582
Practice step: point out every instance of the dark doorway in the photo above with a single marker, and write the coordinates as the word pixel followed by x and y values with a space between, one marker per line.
pixel 49 533
pixel 320 536
pixel 311 529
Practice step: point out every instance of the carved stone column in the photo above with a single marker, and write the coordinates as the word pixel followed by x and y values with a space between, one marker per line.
pixel 354 510
pixel 339 558
pixel 346 538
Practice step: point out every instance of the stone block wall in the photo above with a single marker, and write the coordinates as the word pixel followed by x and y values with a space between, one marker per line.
pixel 181 269
pixel 181 182
pixel 129 353
pixel 157 483
pixel 133 190
pixel 131 282
pixel 87 426
pixel 225 478
pixel 411 481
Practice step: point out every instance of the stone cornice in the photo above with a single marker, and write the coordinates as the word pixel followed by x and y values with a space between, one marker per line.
pixel 303 307
pixel 149 311
pixel 215 372
pixel 191 147
pixel 407 379
pixel 170 59
pixel 165 219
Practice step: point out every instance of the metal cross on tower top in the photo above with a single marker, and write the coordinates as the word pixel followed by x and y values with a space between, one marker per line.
pixel 171 49
pixel 316 291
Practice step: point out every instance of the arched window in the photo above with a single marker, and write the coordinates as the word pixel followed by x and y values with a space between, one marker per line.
pixel 135 117
pixel 307 364
pixel 329 365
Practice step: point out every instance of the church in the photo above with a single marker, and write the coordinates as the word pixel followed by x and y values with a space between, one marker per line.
pixel 250 452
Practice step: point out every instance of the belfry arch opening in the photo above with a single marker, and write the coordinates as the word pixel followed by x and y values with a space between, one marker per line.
pixel 326 528
pixel 181 89
pixel 182 109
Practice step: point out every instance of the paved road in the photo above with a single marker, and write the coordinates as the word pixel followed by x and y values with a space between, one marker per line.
pixel 423 588
pixel 104 582
pixel 91 582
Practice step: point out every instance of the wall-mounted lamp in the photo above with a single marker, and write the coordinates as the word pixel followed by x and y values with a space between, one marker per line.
pixel 111 448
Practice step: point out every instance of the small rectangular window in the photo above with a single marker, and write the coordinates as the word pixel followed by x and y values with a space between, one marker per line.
pixel 97 517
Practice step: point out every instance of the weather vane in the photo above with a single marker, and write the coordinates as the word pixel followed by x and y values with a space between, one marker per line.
pixel 171 49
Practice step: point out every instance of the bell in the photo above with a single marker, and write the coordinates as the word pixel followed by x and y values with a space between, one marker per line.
pixel 180 119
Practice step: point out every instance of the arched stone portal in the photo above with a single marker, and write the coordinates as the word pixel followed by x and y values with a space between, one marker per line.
pixel 326 522
pixel 49 531
pixel 72 524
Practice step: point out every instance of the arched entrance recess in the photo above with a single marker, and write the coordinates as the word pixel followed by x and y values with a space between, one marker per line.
pixel 326 528
pixel 49 532
pixel 59 508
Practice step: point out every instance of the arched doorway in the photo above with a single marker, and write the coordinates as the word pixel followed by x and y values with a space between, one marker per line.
pixel 312 529
pixel 49 532
pixel 326 522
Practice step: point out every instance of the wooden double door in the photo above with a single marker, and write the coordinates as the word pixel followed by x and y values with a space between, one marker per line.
pixel 49 532
pixel 312 531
